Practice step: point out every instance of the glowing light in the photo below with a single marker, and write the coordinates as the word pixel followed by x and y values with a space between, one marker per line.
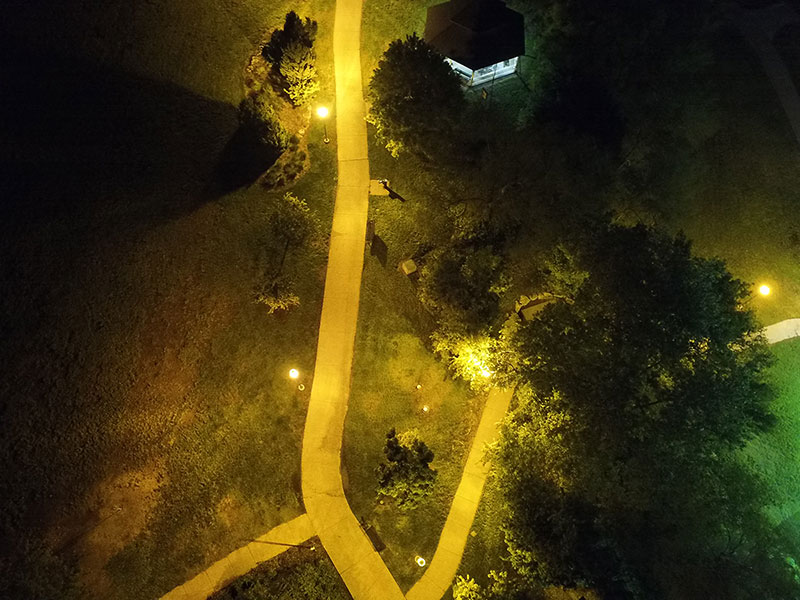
pixel 486 372
pixel 425 408
pixel 764 290
pixel 419 386
pixel 294 373
pixel 420 561
pixel 322 112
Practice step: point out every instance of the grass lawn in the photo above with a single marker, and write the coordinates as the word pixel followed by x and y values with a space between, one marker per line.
pixel 384 21
pixel 298 573
pixel 391 358
pixel 736 194
pixel 787 41
pixel 149 425
pixel 776 455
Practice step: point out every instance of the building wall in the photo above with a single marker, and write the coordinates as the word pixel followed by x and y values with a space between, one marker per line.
pixel 486 74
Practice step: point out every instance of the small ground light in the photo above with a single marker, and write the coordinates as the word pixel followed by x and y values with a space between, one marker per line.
pixel 425 408
pixel 420 561
pixel 301 387
pixel 764 290
pixel 419 386
pixel 294 373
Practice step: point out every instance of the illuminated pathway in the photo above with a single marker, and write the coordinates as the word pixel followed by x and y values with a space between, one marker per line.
pixel 784 330
pixel 439 575
pixel 360 567
pixel 246 558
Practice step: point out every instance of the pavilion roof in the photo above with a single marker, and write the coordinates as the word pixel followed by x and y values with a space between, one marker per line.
pixel 475 33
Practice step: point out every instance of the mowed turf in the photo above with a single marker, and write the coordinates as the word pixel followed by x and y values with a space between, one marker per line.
pixel 776 455
pixel 736 194
pixel 149 423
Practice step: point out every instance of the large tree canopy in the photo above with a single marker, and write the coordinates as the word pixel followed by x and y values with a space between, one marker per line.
pixel 414 96
pixel 634 390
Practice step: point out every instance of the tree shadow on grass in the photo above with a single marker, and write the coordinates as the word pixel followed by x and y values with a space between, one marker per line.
pixel 83 138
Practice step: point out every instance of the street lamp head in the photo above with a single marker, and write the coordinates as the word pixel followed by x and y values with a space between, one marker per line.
pixel 294 373
pixel 322 112
pixel 764 290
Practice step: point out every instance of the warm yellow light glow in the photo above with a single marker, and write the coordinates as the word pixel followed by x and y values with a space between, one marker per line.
pixel 764 290
pixel 486 372
pixel 425 408
pixel 294 373
pixel 322 112
pixel 420 561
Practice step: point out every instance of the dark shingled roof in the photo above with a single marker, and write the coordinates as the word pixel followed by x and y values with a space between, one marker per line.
pixel 475 33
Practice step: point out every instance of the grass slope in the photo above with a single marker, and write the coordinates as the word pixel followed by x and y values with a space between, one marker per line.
pixel 149 427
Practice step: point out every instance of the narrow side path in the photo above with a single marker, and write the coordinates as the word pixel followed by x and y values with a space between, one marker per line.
pixel 246 558
pixel 439 575
pixel 361 568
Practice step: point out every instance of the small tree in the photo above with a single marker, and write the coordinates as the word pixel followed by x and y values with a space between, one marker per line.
pixel 290 225
pixel 299 72
pixel 294 30
pixel 415 96
pixel 406 476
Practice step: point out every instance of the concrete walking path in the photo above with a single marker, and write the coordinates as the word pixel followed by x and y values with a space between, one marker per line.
pixel 442 569
pixel 784 330
pixel 246 558
pixel 360 567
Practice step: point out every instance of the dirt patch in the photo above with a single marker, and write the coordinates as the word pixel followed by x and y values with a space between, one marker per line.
pixel 120 507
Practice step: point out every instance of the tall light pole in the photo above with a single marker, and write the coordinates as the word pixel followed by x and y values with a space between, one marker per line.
pixel 322 113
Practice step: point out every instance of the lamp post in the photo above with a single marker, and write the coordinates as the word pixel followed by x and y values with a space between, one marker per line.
pixel 322 113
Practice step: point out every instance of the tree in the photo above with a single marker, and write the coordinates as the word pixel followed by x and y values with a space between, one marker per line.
pixel 415 97
pixel 406 475
pixel 462 284
pixel 299 72
pixel 290 224
pixel 295 30
pixel 617 465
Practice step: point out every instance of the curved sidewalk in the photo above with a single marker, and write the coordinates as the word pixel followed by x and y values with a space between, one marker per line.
pixel 783 330
pixel 439 575
pixel 237 563
pixel 360 567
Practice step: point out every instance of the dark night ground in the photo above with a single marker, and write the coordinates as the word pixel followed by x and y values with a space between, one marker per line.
pixel 135 357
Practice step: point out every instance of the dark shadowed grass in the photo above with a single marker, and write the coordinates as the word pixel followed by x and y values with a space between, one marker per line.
pixel 148 418
pixel 735 194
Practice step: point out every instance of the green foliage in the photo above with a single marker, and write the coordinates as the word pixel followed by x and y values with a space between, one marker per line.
pixel 306 577
pixel 291 224
pixel 632 396
pixel 292 221
pixel 294 31
pixel 462 284
pixel 298 68
pixel 415 97
pixel 258 117
pixel 290 50
pixel 277 295
pixel 406 476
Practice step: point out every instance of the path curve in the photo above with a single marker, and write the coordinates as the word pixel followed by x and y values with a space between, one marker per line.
pixel 360 567
pixel 441 572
